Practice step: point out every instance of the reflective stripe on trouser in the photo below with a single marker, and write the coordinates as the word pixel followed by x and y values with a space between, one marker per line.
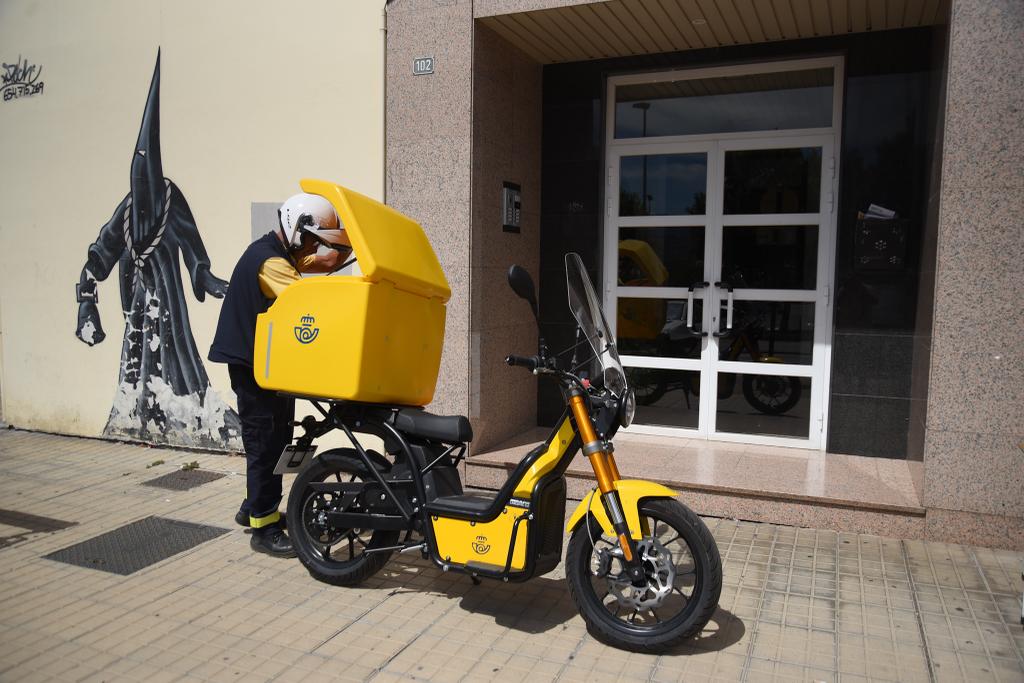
pixel 266 429
pixel 257 522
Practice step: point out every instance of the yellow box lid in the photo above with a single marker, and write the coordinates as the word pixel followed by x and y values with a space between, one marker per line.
pixel 389 245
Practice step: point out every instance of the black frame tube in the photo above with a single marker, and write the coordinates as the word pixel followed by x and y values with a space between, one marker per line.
pixel 373 470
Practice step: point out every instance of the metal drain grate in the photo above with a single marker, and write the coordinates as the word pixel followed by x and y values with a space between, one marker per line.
pixel 137 545
pixel 183 480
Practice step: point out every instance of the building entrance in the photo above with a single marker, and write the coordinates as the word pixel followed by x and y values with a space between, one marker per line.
pixel 719 243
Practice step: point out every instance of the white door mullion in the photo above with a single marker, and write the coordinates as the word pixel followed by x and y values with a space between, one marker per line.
pixel 771 369
pixel 611 238
pixel 754 219
pixel 673 222
pixel 712 273
pixel 661 362
pixel 658 292
pixel 822 356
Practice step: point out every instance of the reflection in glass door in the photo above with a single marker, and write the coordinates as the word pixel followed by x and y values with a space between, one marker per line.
pixel 718 259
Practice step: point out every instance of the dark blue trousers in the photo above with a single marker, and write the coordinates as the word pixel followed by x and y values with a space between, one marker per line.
pixel 266 430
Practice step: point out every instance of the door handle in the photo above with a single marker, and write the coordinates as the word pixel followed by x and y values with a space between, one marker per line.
pixel 689 309
pixel 728 309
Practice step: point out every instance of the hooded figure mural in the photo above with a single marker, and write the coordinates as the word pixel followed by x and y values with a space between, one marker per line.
pixel 163 393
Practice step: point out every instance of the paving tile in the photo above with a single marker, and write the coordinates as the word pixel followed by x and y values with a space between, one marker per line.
pixel 798 604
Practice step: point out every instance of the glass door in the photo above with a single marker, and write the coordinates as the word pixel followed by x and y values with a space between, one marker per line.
pixel 718 244
pixel 769 288
pixel 663 245
pixel 721 264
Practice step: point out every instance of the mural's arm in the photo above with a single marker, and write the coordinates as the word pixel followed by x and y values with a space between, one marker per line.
pixel 103 254
pixel 192 249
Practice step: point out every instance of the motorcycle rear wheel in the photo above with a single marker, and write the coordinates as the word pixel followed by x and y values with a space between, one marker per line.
pixel 684 573
pixel 770 394
pixel 334 556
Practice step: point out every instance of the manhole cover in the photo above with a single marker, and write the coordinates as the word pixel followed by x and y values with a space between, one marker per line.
pixel 137 545
pixel 183 480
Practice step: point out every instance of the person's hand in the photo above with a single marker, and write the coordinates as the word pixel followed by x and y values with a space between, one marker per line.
pixel 89 329
pixel 211 284
pixel 330 261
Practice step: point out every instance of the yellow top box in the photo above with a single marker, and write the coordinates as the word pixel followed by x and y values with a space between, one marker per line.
pixel 388 245
pixel 374 338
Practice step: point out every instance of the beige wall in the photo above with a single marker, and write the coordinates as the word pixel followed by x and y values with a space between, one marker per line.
pixel 254 96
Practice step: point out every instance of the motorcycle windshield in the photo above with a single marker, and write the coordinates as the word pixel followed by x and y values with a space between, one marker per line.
pixel 586 308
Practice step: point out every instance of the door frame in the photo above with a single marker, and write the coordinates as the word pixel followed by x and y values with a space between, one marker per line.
pixel 715 146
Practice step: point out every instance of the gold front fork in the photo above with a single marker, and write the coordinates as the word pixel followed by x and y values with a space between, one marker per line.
pixel 605 470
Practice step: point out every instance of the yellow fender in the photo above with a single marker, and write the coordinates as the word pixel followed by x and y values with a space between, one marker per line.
pixel 631 492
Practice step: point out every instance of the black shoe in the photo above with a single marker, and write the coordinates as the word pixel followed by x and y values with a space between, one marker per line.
pixel 242 519
pixel 273 542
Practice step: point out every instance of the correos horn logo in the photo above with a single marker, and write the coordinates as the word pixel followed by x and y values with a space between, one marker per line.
pixel 480 545
pixel 305 332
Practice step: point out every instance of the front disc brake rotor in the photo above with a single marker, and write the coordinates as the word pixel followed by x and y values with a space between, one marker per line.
pixel 660 572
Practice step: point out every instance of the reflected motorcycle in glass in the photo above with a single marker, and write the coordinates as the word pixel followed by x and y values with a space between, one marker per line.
pixel 665 329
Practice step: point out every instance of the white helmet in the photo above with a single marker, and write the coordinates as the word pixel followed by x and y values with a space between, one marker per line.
pixel 312 214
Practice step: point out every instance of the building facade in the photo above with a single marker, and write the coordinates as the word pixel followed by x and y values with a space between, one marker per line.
pixel 805 220
pixel 792 209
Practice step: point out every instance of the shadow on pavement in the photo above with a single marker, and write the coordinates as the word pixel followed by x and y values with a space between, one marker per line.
pixel 543 604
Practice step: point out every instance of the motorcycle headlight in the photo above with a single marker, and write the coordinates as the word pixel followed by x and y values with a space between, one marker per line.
pixel 628 409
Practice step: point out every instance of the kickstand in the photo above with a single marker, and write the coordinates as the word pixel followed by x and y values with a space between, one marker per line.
pixel 476 579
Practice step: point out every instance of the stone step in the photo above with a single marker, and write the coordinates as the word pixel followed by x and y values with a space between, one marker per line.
pixel 762 484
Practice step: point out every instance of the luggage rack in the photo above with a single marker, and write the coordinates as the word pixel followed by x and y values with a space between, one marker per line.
pixel 316 428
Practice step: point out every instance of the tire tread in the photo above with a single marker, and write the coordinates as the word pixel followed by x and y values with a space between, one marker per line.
pixel 352 572
pixel 711 589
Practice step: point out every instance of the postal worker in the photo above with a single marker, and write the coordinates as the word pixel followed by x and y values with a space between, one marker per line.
pixel 307 222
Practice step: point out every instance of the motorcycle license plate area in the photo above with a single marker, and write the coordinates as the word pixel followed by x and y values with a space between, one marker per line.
pixel 372 338
pixel 293 459
pixel 460 541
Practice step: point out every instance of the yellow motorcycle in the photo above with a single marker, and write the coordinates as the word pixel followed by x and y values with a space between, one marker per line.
pixel 643 569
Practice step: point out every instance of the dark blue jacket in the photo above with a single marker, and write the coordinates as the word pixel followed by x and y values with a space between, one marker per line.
pixel 236 328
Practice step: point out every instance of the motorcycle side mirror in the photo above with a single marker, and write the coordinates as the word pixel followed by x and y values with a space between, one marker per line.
pixel 522 284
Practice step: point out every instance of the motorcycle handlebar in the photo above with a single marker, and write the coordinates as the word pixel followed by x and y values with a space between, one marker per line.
pixel 528 362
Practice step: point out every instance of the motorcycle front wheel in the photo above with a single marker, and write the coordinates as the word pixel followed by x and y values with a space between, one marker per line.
pixel 684 579
pixel 333 555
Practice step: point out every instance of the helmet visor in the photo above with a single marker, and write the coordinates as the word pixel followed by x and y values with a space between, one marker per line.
pixel 332 238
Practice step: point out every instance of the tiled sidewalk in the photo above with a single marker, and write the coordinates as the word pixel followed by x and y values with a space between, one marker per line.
pixel 798 604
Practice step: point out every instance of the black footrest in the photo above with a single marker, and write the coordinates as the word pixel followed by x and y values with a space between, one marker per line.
pixel 469 504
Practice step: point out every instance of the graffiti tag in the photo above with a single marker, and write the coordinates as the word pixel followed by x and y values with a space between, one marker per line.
pixel 20 79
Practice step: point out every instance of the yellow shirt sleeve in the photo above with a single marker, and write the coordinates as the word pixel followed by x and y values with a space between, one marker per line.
pixel 275 275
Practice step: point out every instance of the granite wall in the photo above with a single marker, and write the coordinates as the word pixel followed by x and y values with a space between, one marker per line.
pixel 973 459
pixel 506 147
pixel 453 137
pixel 429 133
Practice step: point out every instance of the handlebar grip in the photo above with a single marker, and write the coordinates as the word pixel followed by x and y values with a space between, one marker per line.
pixel 528 362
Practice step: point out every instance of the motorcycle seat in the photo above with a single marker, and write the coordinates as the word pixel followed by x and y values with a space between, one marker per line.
pixel 449 428
pixel 459 506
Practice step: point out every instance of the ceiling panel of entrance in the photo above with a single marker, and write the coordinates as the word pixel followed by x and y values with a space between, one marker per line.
pixel 620 28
